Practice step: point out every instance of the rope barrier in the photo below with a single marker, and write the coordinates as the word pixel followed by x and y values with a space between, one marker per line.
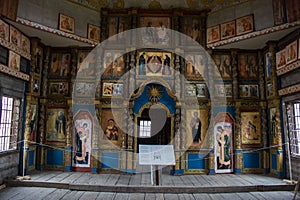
pixel 120 159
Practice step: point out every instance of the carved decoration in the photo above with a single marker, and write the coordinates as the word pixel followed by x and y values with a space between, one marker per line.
pixel 154 5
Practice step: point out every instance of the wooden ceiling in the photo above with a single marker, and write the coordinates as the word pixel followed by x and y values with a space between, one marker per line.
pixel 213 5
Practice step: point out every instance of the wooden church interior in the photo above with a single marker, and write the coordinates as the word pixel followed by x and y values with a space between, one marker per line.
pixel 69 105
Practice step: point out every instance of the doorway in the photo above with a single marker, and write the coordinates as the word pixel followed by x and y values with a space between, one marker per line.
pixel 154 127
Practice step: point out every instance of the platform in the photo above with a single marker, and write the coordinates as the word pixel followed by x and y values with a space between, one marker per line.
pixel 219 183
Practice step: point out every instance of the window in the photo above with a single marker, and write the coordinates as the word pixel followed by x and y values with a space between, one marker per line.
pixel 145 128
pixel 293 114
pixel 9 124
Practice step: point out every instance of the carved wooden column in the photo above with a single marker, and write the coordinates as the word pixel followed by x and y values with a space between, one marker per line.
pixel 203 19
pixel 238 140
pixel 26 134
pixel 69 137
pixel 235 87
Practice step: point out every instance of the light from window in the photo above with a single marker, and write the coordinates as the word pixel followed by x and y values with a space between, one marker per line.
pixel 293 114
pixel 145 128
pixel 9 124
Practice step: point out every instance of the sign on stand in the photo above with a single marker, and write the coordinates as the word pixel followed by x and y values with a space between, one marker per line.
pixel 156 155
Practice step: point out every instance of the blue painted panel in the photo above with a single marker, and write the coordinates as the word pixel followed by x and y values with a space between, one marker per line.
pixel 164 99
pixel 31 158
pixel 251 160
pixel 230 110
pixel 274 161
pixel 90 108
pixel 176 172
pixel 54 157
pixel 110 160
pixel 196 161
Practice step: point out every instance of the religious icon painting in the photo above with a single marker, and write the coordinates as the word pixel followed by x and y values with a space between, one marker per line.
pixel 190 90
pixel 25 44
pixel 201 90
pixel 244 25
pixel 273 121
pixel 60 64
pixel 194 66
pixel 112 27
pixel 196 126
pixel 56 124
pixel 117 89
pixel 154 63
pixel 66 23
pixel 85 89
pixel 33 122
pixel 270 89
pixel 228 30
pixel 14 61
pixel 111 125
pixel 108 89
pixel 191 27
pixel 15 36
pixel 224 65
pixel 38 60
pixel 36 85
pixel 291 52
pixel 249 91
pixel 213 34
pixel 93 32
pixel 82 139
pixel 4 30
pixel 59 88
pixel 223 146
pixel 114 64
pixel 156 31
pixel 279 12
pixel 250 125
pixel 268 63
pixel 86 63
pixel 280 59
pixel 247 66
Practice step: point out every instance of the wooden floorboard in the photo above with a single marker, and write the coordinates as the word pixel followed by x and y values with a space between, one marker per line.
pixel 202 196
pixel 112 179
pixel 186 197
pixel 136 196
pixel 231 196
pixel 106 196
pixel 99 179
pixel 258 195
pixel 121 196
pixel 74 176
pixel 60 177
pixel 56 194
pixel 202 181
pixel 171 197
pixel 246 195
pixel 89 196
pixel 124 180
pixel 73 195
pixel 10 193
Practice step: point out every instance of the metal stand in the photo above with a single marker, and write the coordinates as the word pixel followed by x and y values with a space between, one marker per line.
pixel 296 188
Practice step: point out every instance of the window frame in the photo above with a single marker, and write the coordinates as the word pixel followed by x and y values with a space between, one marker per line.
pixel 15 123
pixel 145 128
pixel 293 127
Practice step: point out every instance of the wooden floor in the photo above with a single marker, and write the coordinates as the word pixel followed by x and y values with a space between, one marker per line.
pixel 81 185
pixel 37 193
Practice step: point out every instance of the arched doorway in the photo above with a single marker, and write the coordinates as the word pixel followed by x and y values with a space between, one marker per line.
pixel 154 126
pixel 154 107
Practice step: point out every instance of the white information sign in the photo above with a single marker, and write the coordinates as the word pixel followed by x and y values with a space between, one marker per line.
pixel 156 155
